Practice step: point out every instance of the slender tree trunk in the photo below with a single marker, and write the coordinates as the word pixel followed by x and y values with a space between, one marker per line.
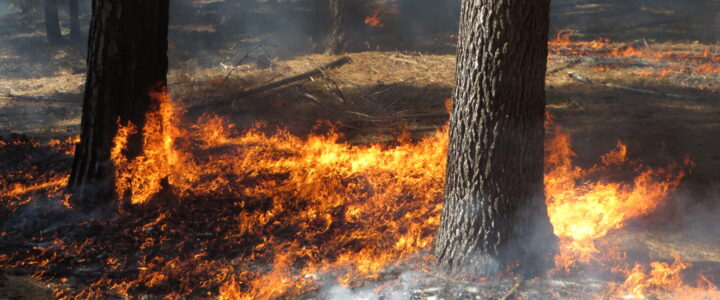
pixel 337 43
pixel 52 22
pixel 74 20
pixel 127 59
pixel 495 213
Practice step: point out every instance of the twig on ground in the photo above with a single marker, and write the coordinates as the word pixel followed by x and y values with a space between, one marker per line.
pixel 240 61
pixel 585 79
pixel 361 114
pixel 570 64
pixel 406 61
pixel 311 97
pixel 317 71
pixel 340 96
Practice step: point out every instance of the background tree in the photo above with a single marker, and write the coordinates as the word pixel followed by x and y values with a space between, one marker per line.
pixel 127 59
pixel 52 22
pixel 74 20
pixel 494 200
pixel 337 43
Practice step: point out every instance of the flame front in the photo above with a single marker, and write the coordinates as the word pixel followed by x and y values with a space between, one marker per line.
pixel 358 209
pixel 316 208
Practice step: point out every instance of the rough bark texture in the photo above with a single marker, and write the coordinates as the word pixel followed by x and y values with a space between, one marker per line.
pixel 52 22
pixel 74 19
pixel 337 43
pixel 127 59
pixel 495 214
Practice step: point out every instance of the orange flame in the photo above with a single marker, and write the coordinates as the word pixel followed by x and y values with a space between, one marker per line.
pixel 374 18
pixel 663 279
pixel 140 177
pixel 582 211
pixel 353 210
pixel 369 184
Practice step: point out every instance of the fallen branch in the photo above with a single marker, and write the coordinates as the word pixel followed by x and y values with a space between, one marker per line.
pixel 512 290
pixel 584 79
pixel 314 72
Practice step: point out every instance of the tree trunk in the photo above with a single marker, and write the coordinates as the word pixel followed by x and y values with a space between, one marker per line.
pixel 336 40
pixel 495 214
pixel 74 20
pixel 52 22
pixel 127 59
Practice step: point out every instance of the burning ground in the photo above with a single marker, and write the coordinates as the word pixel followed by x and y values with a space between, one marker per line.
pixel 265 201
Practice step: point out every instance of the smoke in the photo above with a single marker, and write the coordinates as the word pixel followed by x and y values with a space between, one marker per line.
pixel 207 33
pixel 640 20
pixel 5 8
pixel 405 286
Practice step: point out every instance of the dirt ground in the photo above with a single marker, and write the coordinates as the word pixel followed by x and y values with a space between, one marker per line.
pixel 384 91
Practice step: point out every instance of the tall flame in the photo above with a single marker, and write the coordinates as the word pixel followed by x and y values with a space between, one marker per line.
pixel 582 211
pixel 140 178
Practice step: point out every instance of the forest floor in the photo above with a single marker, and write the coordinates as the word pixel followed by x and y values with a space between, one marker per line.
pixel 670 110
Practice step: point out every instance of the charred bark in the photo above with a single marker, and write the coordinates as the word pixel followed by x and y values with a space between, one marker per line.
pixel 495 214
pixel 127 59
pixel 52 22
pixel 337 42
pixel 74 20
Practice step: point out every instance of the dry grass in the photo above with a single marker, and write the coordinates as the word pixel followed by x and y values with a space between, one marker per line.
pixel 23 288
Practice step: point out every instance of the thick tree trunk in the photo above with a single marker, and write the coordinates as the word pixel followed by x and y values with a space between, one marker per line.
pixel 52 22
pixel 74 20
pixel 127 59
pixel 495 214
pixel 337 43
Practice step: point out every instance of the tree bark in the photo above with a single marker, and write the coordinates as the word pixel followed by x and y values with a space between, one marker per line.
pixel 337 43
pixel 74 20
pixel 127 59
pixel 495 214
pixel 52 22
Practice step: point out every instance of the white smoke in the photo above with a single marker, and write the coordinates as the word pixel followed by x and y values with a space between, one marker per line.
pixel 400 288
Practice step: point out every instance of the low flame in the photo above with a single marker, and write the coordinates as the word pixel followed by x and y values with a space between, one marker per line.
pixel 360 187
pixel 17 189
pixel 317 208
pixel 695 64
pixel 662 279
